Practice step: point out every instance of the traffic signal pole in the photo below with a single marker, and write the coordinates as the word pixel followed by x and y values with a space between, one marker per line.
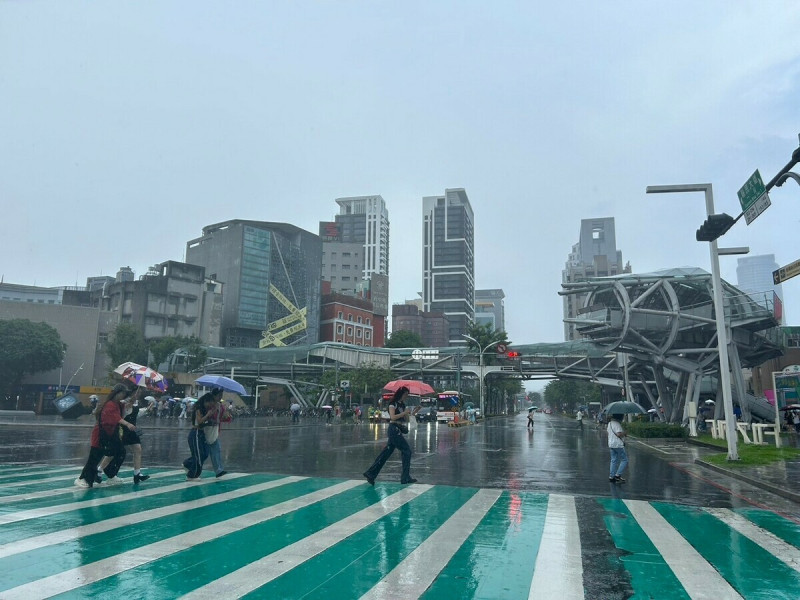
pixel 719 310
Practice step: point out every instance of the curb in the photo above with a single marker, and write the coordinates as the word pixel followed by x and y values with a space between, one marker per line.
pixel 777 490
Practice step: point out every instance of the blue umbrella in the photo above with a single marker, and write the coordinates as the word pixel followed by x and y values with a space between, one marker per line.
pixel 220 381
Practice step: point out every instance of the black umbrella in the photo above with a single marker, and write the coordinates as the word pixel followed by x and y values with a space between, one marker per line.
pixel 624 408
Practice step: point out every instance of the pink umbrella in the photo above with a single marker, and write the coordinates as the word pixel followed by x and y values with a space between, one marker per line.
pixel 418 388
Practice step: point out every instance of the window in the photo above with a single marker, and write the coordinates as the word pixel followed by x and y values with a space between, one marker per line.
pixel 359 318
pixel 339 329
pixel 367 335
pixel 358 333
pixel 340 314
pixel 349 331
pixel 367 321
pixel 350 317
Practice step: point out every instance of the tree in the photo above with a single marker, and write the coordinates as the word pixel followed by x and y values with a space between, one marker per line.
pixel 163 347
pixel 27 347
pixel 366 380
pixel 404 339
pixel 126 345
pixel 568 394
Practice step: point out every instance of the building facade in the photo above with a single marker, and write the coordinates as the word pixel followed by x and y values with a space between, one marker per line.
pixel 173 299
pixel 595 255
pixel 433 328
pixel 355 251
pixel 448 260
pixel 490 309
pixel 271 273
pixel 350 320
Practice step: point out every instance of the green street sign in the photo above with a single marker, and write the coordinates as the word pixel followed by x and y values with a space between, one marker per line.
pixel 751 191
pixel 753 197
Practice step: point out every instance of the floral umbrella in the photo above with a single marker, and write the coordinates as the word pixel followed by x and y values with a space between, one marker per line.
pixel 142 376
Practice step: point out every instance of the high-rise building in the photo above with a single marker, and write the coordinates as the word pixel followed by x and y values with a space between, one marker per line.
pixel 432 328
pixel 489 309
pixel 754 277
pixel 595 255
pixel 448 260
pixel 271 273
pixel 355 251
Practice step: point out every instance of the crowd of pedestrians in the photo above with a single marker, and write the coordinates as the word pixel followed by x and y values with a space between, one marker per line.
pixel 115 431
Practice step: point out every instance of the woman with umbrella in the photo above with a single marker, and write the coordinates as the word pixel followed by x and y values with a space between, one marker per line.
pixel 203 438
pixel 398 416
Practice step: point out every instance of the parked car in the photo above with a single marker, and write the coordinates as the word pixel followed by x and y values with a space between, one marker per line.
pixel 427 415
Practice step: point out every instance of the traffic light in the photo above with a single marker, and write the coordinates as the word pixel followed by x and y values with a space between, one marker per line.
pixel 714 226
pixel 512 354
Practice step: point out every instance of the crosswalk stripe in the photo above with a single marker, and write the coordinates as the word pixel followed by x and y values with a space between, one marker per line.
pixel 74 533
pixel 36 513
pixel 700 579
pixel 70 488
pixel 419 569
pixel 74 578
pixel 260 572
pixel 16 476
pixel 559 552
pixel 769 541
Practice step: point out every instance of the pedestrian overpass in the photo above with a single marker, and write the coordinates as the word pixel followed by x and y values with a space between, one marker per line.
pixel 651 334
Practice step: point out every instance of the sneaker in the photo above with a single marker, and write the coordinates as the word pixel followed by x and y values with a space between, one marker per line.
pixel 370 480
pixel 116 480
pixel 193 478
pixel 140 477
pixel 98 479
pixel 409 480
pixel 82 483
pixel 221 473
pixel 620 479
pixel 612 479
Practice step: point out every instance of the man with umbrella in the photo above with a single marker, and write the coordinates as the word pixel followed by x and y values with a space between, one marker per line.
pixel 616 445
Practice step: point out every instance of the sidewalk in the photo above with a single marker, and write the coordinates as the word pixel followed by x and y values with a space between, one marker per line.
pixel 781 478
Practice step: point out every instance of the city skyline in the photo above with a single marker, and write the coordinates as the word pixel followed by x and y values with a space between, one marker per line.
pixel 127 132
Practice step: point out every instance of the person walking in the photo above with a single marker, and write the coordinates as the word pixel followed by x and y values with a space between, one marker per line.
pixel 110 432
pixel 211 433
pixel 579 418
pixel 398 417
pixel 205 410
pixel 131 437
pixel 616 445
pixel 530 418
pixel 295 408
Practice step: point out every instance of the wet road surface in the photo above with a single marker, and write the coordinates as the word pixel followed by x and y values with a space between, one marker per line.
pixel 498 511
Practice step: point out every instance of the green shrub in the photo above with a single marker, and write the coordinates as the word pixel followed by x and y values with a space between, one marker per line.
pixel 656 430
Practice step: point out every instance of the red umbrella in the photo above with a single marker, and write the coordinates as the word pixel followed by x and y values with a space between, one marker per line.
pixel 418 388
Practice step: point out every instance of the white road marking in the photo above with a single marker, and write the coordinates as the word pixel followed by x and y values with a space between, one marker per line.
pixel 260 572
pixel 411 577
pixel 697 576
pixel 74 533
pixel 108 567
pixel 36 513
pixel 558 572
pixel 72 488
pixel 766 539
pixel 35 474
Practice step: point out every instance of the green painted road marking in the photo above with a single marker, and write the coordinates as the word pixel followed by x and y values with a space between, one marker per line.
pixel 351 567
pixel 114 503
pixel 269 536
pixel 497 559
pixel 182 571
pixel 651 577
pixel 786 530
pixel 750 569
pixel 29 566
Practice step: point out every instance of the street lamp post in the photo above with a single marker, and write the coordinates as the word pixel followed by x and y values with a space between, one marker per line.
pixel 716 283
pixel 480 367
pixel 73 376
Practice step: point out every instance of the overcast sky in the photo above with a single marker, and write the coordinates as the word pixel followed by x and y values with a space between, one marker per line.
pixel 125 127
